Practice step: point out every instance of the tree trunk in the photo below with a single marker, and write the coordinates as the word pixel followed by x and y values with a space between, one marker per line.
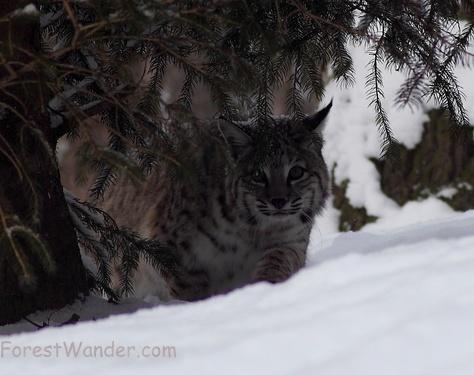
pixel 25 100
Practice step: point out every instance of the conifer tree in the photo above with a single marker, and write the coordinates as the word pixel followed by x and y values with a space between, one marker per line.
pixel 66 62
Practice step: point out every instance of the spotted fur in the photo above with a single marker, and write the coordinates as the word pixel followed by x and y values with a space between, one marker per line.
pixel 233 223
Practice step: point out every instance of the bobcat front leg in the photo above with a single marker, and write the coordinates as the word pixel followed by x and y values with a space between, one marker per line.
pixel 278 265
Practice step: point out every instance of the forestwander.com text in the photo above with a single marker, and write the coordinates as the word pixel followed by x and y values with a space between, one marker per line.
pixel 80 349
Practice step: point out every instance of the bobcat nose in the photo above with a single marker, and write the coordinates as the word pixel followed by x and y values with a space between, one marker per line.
pixel 279 202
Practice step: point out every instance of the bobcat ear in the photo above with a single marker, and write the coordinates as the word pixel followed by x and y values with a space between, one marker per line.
pixel 313 121
pixel 233 135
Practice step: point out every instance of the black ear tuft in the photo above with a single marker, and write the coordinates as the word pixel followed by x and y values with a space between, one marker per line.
pixel 315 120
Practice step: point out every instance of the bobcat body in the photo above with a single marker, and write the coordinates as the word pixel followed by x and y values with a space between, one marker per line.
pixel 233 223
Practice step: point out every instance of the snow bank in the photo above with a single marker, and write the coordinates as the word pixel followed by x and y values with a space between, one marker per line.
pixel 395 302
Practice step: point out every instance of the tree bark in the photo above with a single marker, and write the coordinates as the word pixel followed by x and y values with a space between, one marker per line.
pixel 25 99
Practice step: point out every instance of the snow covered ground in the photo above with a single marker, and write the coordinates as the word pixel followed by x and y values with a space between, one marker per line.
pixel 396 298
pixel 398 301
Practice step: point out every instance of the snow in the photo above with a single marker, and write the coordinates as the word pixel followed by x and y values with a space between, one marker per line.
pixel 397 301
pixel 27 10
pixel 394 298
pixel 351 139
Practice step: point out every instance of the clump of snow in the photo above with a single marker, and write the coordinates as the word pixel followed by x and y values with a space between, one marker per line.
pixel 411 213
pixel 28 10
pixel 146 12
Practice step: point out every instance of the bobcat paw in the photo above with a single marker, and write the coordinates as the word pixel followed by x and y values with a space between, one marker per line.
pixel 277 266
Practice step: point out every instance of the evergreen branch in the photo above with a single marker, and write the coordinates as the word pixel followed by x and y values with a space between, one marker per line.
pixel 294 99
pixel 37 244
pixel 100 287
pixel 91 229
pixel 106 242
pixel 110 162
pixel 187 90
pixel 375 93
pixel 19 259
pixel 342 66
pixel 412 90
pixel 129 262
pixel 23 175
pixel 311 75
pixel 8 152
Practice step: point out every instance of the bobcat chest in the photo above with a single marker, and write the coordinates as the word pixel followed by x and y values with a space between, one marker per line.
pixel 223 260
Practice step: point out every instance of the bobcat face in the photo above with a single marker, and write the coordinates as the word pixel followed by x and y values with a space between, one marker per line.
pixel 281 175
pixel 282 188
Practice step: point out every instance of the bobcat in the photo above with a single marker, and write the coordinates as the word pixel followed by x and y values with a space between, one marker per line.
pixel 235 223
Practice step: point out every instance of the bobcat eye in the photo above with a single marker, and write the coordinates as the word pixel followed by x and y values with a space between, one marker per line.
pixel 295 173
pixel 260 177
